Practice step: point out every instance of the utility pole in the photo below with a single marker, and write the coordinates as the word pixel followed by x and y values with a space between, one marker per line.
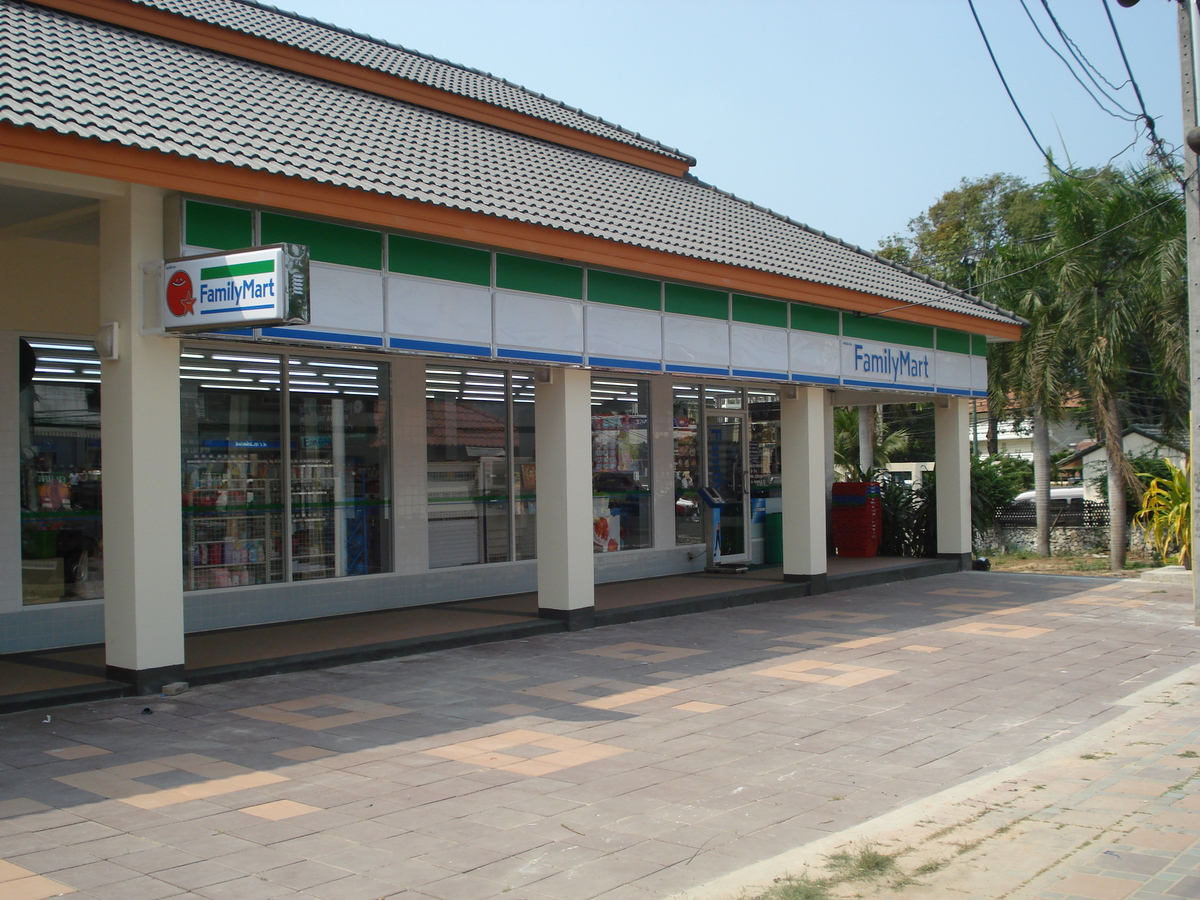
pixel 1189 23
pixel 1189 20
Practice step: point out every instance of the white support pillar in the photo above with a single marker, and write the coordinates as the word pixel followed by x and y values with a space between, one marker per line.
pixel 662 460
pixel 139 430
pixel 802 422
pixel 566 568
pixel 952 446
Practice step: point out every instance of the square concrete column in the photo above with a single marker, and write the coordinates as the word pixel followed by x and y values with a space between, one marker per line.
pixel 566 568
pixel 802 424
pixel 139 431
pixel 662 460
pixel 952 455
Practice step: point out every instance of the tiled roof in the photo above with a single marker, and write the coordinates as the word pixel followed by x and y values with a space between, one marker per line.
pixel 328 40
pixel 85 78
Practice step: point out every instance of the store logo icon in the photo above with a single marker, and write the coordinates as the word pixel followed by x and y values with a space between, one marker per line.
pixel 180 297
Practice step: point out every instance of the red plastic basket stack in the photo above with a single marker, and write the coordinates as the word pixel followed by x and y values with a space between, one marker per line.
pixel 857 518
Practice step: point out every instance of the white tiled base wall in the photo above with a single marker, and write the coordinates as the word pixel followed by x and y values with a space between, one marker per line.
pixel 66 625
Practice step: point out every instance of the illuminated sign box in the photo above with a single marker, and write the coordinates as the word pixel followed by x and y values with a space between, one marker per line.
pixel 247 288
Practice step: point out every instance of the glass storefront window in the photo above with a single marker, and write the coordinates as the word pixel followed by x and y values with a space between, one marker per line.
pixel 481 473
pixel 686 415
pixel 337 410
pixel 765 467
pixel 62 548
pixel 232 455
pixel 620 465
pixel 258 509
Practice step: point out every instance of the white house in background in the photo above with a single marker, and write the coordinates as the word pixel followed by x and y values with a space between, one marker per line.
pixel 1137 442
pixel 1017 440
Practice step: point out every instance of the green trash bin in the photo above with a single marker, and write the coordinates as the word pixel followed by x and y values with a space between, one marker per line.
pixel 773 551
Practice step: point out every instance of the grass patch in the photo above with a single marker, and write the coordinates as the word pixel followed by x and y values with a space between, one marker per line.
pixel 1188 754
pixel 928 868
pixel 796 888
pixel 864 863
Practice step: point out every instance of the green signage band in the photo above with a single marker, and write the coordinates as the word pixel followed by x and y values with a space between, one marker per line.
pixel 261 267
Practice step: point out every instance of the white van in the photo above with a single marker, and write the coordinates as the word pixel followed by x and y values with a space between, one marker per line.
pixel 1067 494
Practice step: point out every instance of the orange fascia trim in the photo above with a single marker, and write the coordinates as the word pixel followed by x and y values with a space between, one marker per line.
pixel 261 50
pixel 49 150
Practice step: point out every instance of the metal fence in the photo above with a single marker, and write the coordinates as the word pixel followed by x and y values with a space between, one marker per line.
pixel 1076 513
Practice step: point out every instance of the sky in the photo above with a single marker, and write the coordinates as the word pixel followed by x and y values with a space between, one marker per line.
pixel 851 116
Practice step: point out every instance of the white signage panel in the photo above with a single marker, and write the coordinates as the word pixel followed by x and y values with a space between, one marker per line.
pixel 246 288
pixel 873 364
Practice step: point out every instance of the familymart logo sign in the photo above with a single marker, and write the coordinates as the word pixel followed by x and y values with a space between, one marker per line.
pixel 872 364
pixel 260 286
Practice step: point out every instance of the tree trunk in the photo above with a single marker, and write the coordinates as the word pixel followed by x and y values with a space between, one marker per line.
pixel 866 439
pixel 993 434
pixel 1118 525
pixel 1118 520
pixel 1041 480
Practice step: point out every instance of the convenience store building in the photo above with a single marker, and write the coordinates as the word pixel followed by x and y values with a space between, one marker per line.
pixel 532 338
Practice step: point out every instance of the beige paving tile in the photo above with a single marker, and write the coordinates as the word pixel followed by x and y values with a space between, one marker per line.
pixel 122 782
pixel 278 810
pixel 627 698
pixel 79 751
pixel 699 706
pixel 33 887
pixel 922 648
pixel 10 872
pixel 536 753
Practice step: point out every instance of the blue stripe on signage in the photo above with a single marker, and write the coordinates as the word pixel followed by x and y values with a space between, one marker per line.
pixel 956 391
pixel 330 336
pixel 891 386
pixel 752 373
pixel 979 393
pixel 439 347
pixel 698 370
pixel 544 357
pixel 816 379
pixel 624 363
pixel 225 309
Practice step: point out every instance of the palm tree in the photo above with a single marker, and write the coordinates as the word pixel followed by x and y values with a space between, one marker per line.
pixel 1035 371
pixel 1106 300
pixel 846 449
pixel 1118 281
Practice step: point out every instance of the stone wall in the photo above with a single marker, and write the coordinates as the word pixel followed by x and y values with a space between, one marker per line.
pixel 1065 540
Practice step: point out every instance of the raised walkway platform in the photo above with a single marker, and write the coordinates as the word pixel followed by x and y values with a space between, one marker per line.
pixel 70 675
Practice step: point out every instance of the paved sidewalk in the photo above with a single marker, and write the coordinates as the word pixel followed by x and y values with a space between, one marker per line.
pixel 698 754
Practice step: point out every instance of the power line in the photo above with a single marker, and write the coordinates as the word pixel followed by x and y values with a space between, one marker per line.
pixel 1088 67
pixel 1155 140
pixel 1130 115
pixel 1007 89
